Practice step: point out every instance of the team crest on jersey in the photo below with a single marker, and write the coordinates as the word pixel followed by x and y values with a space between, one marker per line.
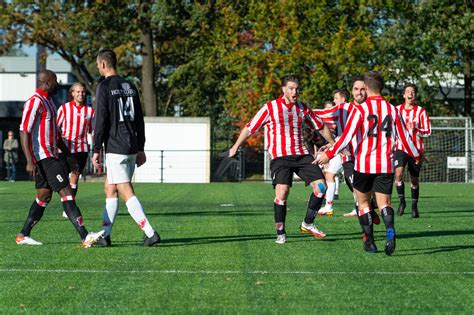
pixel 126 86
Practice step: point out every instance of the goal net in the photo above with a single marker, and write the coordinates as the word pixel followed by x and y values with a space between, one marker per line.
pixel 449 151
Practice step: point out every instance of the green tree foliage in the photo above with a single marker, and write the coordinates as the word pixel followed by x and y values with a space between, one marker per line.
pixel 325 42
pixel 74 30
pixel 430 43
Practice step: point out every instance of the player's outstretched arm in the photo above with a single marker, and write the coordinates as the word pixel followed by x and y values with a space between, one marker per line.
pixel 244 134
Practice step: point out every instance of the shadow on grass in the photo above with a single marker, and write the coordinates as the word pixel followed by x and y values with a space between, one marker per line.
pixel 434 250
pixel 209 213
pixel 435 233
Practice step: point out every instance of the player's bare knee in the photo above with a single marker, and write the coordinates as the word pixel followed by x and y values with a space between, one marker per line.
pixel 415 181
pixel 44 196
pixel 282 192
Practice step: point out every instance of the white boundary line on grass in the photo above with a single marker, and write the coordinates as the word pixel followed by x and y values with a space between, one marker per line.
pixel 229 272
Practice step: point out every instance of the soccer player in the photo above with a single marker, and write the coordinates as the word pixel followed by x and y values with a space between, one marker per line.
pixel 40 139
pixel 284 118
pixel 334 167
pixel 75 123
pixel 120 127
pixel 418 122
pixel 380 126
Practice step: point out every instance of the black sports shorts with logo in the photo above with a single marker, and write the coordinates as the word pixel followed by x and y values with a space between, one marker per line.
pixel 283 168
pixel 348 168
pixel 81 158
pixel 401 159
pixel 50 174
pixel 381 183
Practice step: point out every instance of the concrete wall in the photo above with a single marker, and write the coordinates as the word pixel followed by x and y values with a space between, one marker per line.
pixel 177 149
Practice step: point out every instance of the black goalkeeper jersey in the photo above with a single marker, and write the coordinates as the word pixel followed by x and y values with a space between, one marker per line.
pixel 119 121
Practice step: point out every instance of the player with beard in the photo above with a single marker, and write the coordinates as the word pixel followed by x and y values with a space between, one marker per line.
pixel 284 119
pixel 40 139
pixel 418 122
pixel 376 125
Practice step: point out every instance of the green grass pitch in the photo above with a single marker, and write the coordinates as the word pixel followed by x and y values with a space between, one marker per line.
pixel 218 255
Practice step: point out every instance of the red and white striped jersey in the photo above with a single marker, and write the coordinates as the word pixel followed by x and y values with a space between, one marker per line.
pixel 380 126
pixel 418 118
pixel 338 116
pixel 39 121
pixel 284 124
pixel 75 122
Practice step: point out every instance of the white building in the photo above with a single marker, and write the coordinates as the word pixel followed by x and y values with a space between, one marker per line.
pixel 18 81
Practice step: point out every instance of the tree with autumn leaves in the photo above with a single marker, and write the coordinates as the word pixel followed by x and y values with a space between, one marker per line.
pixel 223 59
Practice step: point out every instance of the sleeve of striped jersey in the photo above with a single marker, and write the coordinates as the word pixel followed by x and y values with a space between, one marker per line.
pixel 31 110
pixel 424 129
pixel 258 121
pixel 314 121
pixel 403 135
pixel 60 119
pixel 332 112
pixel 353 124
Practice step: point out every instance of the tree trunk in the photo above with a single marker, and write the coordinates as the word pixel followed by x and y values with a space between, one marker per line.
pixel 467 85
pixel 148 73
pixel 41 55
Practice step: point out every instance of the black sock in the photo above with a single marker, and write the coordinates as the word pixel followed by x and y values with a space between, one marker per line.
pixel 367 226
pixel 75 216
pixel 401 190
pixel 415 193
pixel 74 191
pixel 314 204
pixel 279 208
pixel 388 217
pixel 35 214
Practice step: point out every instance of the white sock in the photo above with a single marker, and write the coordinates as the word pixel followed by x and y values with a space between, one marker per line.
pixel 110 212
pixel 330 195
pixel 336 181
pixel 136 211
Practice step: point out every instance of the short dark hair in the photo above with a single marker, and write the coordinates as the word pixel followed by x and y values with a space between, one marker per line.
pixel 374 80
pixel 109 57
pixel 344 93
pixel 356 78
pixel 410 85
pixel 290 78
pixel 328 102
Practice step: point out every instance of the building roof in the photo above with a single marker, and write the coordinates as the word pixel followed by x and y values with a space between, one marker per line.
pixel 28 64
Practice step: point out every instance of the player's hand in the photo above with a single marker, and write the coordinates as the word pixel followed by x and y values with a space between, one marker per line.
pixel 95 161
pixel 232 152
pixel 322 158
pixel 324 147
pixel 71 160
pixel 30 167
pixel 141 158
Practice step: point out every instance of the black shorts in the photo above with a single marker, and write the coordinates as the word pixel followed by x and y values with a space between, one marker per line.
pixel 81 158
pixel 381 183
pixel 401 159
pixel 50 174
pixel 348 168
pixel 282 169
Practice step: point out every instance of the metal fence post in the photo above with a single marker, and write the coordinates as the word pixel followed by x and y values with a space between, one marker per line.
pixel 162 168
